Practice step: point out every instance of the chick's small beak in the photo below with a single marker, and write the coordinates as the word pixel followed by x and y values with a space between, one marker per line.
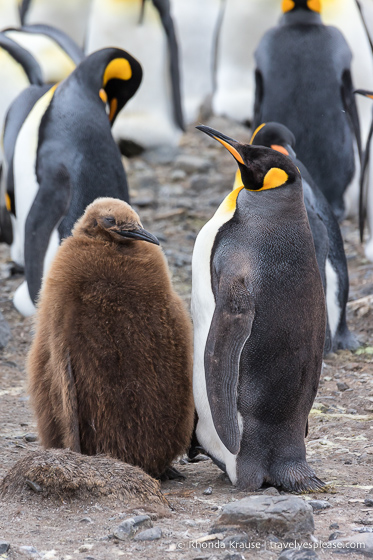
pixel 139 234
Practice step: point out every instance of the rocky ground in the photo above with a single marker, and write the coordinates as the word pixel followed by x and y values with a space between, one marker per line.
pixel 175 195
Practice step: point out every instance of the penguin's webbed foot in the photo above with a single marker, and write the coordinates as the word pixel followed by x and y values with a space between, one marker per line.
pixel 170 473
pixel 346 340
pixel 295 477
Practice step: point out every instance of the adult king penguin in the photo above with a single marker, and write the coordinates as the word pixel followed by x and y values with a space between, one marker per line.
pixel 326 235
pixel 259 325
pixel 145 28
pixel 111 364
pixel 61 156
pixel 303 80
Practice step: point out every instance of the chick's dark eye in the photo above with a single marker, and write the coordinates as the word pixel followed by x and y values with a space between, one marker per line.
pixel 110 221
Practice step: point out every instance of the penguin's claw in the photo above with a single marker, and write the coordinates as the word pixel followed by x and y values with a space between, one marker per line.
pixel 170 473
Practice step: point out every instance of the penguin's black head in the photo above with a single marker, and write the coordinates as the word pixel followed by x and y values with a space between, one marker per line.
pixel 114 75
pixel 111 219
pixel 276 136
pixel 310 5
pixel 261 168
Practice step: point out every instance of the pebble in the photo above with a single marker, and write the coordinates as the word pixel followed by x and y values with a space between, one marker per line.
pixel 131 526
pixel 199 182
pixel 30 551
pixel 334 536
pixel 334 526
pixel 319 504
pixel 152 534
pixel 192 164
pixel 342 386
pixel 362 543
pixel 35 487
pixel 208 491
pixel 86 520
pixel 235 540
pixel 178 175
pixel 284 516
pixel 163 155
pixel 5 332
pixel 31 438
pixel 368 502
pixel 271 491
pixel 234 556
pixel 301 554
pixel 4 547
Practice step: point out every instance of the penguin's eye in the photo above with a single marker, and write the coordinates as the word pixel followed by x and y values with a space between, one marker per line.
pixel 109 221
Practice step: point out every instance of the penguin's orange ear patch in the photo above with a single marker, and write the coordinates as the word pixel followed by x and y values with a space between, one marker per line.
pixel 275 177
pixel 113 108
pixel 280 149
pixel 118 68
pixel 287 5
pixel 314 5
pixel 103 95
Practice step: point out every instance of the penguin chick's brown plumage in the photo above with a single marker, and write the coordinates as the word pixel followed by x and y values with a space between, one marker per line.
pixel 110 368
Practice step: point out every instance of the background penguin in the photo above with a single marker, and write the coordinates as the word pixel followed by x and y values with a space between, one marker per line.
pixel 56 53
pixel 63 157
pixel 196 25
pixel 259 324
pixel 110 367
pixel 9 13
pixel 366 188
pixel 303 81
pixel 242 27
pixel 145 28
pixel 327 237
pixel 70 15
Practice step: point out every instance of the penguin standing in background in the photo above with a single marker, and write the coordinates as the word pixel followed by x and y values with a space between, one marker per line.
pixel 327 237
pixel 62 157
pixel 303 80
pixel 196 35
pixel 259 325
pixel 70 15
pixel 56 53
pixel 145 28
pixel 110 367
pixel 242 26
pixel 366 188
pixel 9 13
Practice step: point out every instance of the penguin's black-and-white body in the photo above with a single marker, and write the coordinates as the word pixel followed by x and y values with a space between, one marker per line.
pixel 366 188
pixel 62 156
pixel 259 325
pixel 196 35
pixel 327 237
pixel 242 27
pixel 145 28
pixel 57 54
pixel 303 80
pixel 70 15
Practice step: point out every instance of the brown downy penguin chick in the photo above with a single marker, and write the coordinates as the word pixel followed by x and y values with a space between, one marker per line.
pixel 110 367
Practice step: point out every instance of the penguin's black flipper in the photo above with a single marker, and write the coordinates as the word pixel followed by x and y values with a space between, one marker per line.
pixel 234 314
pixel 163 7
pixel 24 6
pixel 348 98
pixel 50 205
pixel 24 58
pixel 62 39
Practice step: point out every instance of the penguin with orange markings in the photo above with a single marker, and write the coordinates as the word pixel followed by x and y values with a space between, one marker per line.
pixel 303 80
pixel 259 324
pixel 327 238
pixel 73 160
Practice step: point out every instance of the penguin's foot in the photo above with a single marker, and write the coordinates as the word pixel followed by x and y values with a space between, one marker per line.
pixel 129 148
pixel 295 477
pixel 170 473
pixel 346 340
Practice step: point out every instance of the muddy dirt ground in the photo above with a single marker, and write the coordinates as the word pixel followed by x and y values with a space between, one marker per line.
pixel 175 198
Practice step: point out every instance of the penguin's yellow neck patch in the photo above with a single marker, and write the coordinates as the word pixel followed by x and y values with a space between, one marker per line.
pixel 287 5
pixel 113 108
pixel 118 68
pixel 103 95
pixel 8 204
pixel 237 180
pixel 228 206
pixel 256 132
pixel 314 5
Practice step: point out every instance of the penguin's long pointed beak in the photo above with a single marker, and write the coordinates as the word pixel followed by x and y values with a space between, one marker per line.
pixel 139 234
pixel 227 142
pixel 364 92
